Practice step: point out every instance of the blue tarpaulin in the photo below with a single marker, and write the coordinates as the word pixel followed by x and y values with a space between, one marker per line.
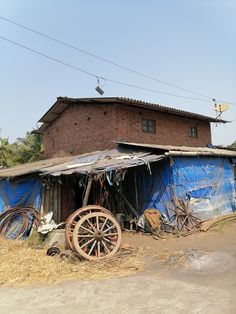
pixel 19 192
pixel 208 184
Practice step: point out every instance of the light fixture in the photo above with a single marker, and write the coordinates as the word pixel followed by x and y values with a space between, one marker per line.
pixel 98 88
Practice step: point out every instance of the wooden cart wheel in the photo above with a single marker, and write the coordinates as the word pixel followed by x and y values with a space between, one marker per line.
pixel 97 235
pixel 76 216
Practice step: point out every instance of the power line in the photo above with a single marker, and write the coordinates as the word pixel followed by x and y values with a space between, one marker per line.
pixel 110 62
pixel 95 75
pixel 103 59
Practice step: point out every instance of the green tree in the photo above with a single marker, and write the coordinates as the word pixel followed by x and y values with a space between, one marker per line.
pixel 29 148
pixel 24 150
pixel 7 153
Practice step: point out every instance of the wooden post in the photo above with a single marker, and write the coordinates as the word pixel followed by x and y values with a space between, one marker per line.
pixel 88 188
pixel 129 205
pixel 136 191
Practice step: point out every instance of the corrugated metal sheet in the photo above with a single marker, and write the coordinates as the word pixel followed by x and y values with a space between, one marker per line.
pixel 109 160
pixel 63 102
pixel 32 167
pixel 52 201
pixel 96 162
pixel 102 162
pixel 183 150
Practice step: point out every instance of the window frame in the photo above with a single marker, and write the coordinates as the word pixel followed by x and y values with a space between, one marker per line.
pixel 193 132
pixel 149 126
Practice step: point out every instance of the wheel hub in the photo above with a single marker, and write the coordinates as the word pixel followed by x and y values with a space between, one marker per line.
pixel 98 235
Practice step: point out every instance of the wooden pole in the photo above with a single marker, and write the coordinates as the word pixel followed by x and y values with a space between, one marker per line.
pixel 129 205
pixel 88 189
pixel 136 190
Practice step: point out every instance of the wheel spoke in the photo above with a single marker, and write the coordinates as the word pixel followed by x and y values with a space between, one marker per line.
pixel 111 234
pixel 104 224
pixel 82 246
pixel 81 241
pixel 99 249
pixel 97 221
pixel 109 241
pixel 92 247
pixel 105 246
pixel 91 225
pixel 85 236
pixel 90 231
pixel 109 228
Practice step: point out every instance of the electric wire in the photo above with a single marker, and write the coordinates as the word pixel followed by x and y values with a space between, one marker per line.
pixel 103 59
pixel 95 75
pixel 109 61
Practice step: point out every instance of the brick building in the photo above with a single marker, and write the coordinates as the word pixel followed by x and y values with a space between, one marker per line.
pixel 74 126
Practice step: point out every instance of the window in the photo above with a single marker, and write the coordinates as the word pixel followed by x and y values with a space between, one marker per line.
pixel 192 132
pixel 149 126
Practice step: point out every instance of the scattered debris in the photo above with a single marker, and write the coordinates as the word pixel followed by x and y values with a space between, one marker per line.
pixel 196 260
pixel 178 259
pixel 153 218
pixel 185 221
pixel 207 224
pixel 56 236
pixel 47 224
pixel 70 256
pixel 52 251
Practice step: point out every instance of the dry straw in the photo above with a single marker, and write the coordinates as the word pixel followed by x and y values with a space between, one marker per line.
pixel 22 265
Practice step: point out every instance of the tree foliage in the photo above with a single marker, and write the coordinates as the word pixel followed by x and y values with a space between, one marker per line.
pixel 233 145
pixel 24 150
pixel 7 153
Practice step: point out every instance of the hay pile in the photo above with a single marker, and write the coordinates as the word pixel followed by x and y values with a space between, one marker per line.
pixel 22 265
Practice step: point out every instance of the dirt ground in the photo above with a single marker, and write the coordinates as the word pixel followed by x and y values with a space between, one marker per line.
pixel 194 274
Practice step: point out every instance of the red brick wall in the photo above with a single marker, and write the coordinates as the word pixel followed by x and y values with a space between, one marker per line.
pixel 170 129
pixel 80 129
pixel 86 128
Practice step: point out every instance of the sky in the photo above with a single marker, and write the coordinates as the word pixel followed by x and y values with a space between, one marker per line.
pixel 188 43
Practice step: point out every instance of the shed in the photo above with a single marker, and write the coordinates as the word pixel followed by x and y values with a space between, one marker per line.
pixel 126 180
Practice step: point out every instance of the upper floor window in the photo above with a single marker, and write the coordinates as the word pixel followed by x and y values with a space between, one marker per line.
pixel 149 126
pixel 192 132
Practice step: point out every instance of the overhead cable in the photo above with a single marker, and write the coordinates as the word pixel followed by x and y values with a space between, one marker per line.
pixel 104 59
pixel 96 75
pixel 109 61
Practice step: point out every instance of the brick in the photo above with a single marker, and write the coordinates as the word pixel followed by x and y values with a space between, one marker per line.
pixel 85 128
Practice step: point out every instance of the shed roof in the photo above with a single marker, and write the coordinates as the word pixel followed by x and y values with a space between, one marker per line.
pixel 32 167
pixel 63 102
pixel 182 150
pixel 126 156
pixel 90 163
